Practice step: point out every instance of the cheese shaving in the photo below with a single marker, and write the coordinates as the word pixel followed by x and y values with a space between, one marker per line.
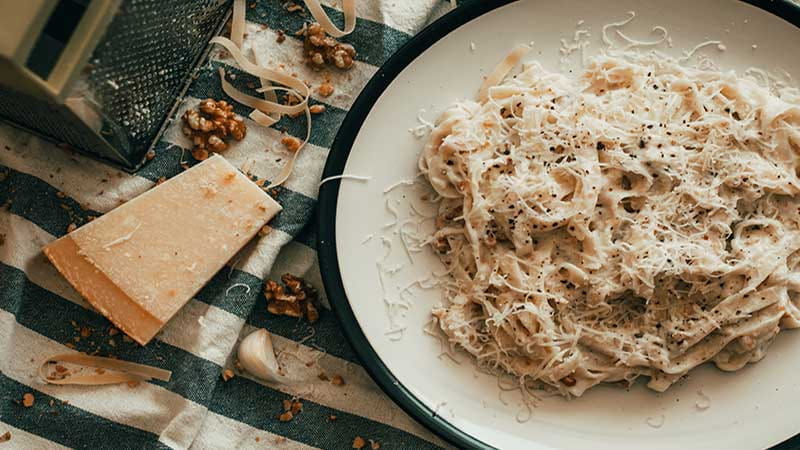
pixel 400 183
pixel 238 22
pixel 634 43
pixel 656 422
pixel 345 176
pixel 638 220
pixel 424 127
pixel 234 286
pixel 121 239
pixel 615 25
pixel 249 100
pixel 269 95
pixel 630 42
pixel 393 211
pixel 349 10
pixel 287 170
pixel 579 42
pixel 688 55
pixel 120 371
pixel 703 402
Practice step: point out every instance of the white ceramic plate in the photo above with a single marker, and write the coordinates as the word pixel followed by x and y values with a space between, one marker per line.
pixel 754 408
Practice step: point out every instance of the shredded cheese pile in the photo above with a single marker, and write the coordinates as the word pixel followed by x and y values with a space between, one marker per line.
pixel 638 220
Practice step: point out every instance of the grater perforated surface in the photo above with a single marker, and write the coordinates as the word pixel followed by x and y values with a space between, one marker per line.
pixel 55 122
pixel 145 59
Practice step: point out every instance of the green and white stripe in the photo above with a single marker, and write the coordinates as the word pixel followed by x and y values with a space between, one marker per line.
pixel 45 189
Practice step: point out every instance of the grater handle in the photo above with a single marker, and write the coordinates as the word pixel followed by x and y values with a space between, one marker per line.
pixel 23 24
pixel 83 41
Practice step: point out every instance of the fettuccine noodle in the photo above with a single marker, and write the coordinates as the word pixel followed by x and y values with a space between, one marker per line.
pixel 639 220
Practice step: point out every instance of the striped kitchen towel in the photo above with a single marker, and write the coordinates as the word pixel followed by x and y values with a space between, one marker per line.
pixel 45 190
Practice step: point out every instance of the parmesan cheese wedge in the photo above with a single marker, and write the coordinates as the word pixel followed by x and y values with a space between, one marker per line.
pixel 140 263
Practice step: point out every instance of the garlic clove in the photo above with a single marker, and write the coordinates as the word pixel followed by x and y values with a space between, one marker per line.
pixel 257 357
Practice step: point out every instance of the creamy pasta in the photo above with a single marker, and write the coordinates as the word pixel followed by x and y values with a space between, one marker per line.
pixel 637 220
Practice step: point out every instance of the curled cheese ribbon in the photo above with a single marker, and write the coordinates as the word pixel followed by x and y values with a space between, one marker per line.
pixel 258 116
pixel 266 106
pixel 501 70
pixel 263 119
pixel 295 85
pixel 284 174
pixel 259 103
pixel 123 371
pixel 268 111
pixel 262 105
pixel 238 23
pixel 349 10
pixel 237 37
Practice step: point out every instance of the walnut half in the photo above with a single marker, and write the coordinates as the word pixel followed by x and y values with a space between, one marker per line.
pixel 321 49
pixel 297 299
pixel 210 125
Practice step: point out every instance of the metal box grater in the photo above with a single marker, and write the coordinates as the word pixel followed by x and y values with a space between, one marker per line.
pixel 101 76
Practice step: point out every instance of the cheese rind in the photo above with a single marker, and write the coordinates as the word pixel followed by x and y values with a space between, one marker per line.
pixel 101 293
pixel 160 248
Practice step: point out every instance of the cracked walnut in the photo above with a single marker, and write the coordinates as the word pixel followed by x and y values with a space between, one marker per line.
pixel 297 299
pixel 321 49
pixel 210 125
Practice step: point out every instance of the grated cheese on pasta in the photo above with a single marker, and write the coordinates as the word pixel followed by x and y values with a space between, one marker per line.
pixel 638 220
